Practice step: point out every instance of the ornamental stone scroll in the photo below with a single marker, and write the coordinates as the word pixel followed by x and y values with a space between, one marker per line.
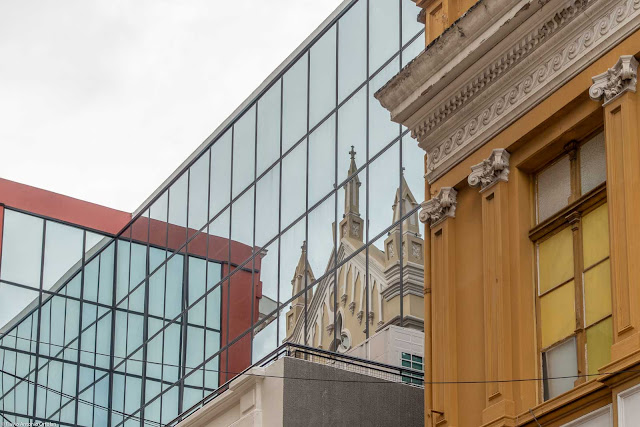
pixel 440 207
pixel 491 170
pixel 617 80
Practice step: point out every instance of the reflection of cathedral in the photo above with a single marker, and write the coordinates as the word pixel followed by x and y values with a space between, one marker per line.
pixel 384 305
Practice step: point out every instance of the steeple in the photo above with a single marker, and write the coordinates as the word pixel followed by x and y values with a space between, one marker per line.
pixel 405 198
pixel 409 242
pixel 352 224
pixel 298 284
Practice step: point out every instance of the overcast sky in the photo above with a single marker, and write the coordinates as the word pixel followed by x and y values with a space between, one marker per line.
pixel 103 99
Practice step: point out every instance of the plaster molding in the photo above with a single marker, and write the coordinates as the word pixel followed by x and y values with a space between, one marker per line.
pixel 492 72
pixel 440 207
pixel 617 80
pixel 576 46
pixel 491 170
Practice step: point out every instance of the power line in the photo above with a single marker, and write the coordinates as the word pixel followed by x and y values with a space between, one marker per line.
pixel 407 372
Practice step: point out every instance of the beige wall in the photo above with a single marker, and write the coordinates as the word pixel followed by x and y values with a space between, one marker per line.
pixel 253 399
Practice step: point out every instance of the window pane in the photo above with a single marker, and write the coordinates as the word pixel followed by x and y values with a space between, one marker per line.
pixel 63 253
pixel 12 301
pixel 595 235
pixel 322 167
pixel 198 193
pixel 561 361
pixel 322 84
pixel 555 260
pixel 593 163
pixel 557 314
pixel 352 49
pixel 381 129
pixel 410 24
pixel 294 114
pixel 269 127
pixel 599 340
pixel 220 174
pixel 21 248
pixel 384 34
pixel 178 208
pixel 352 131
pixel 244 137
pixel 597 290
pixel 554 188
pixel 294 181
pixel 267 206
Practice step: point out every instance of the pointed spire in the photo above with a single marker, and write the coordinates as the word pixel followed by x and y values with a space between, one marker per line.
pixel 405 199
pixel 352 188
pixel 303 265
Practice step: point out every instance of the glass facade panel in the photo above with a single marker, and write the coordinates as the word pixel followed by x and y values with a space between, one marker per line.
pixel 384 34
pixel 21 249
pixel 322 77
pixel 220 267
pixel 294 107
pixel 352 49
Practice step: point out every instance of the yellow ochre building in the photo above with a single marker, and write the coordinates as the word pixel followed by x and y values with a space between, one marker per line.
pixel 528 113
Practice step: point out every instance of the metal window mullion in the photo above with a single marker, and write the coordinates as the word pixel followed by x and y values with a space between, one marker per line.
pixel 306 205
pixel 228 306
pixel 366 314
pixel 39 309
pixel 145 319
pixel 255 195
pixel 278 237
pixel 335 188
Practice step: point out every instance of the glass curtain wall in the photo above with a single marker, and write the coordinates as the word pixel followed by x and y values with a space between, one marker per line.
pixel 302 197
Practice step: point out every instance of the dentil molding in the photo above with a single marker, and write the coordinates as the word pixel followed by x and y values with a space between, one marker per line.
pixel 440 207
pixel 617 80
pixel 491 170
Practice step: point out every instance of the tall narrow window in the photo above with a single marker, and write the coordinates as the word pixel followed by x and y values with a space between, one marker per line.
pixel 573 276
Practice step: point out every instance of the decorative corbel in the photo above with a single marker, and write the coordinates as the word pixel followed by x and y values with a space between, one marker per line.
pixel 440 207
pixel 617 80
pixel 491 170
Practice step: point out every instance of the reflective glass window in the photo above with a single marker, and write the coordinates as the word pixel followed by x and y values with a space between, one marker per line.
pixel 352 49
pixel 244 140
pixel 294 113
pixel 21 248
pixel 322 80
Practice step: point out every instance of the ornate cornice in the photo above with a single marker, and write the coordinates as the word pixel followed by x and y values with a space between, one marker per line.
pixel 530 82
pixel 491 170
pixel 440 207
pixel 617 80
pixel 513 56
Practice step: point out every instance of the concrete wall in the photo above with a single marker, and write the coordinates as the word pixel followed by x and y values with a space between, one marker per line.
pixel 387 345
pixel 310 394
pixel 320 395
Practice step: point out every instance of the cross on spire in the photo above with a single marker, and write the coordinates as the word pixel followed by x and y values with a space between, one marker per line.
pixel 353 153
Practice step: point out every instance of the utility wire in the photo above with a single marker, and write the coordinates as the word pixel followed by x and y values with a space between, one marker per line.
pixel 406 373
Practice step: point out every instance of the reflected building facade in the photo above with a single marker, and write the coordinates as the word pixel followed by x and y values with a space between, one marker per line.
pixel 142 321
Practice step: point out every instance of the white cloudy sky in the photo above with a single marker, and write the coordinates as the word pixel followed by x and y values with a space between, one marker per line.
pixel 103 99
